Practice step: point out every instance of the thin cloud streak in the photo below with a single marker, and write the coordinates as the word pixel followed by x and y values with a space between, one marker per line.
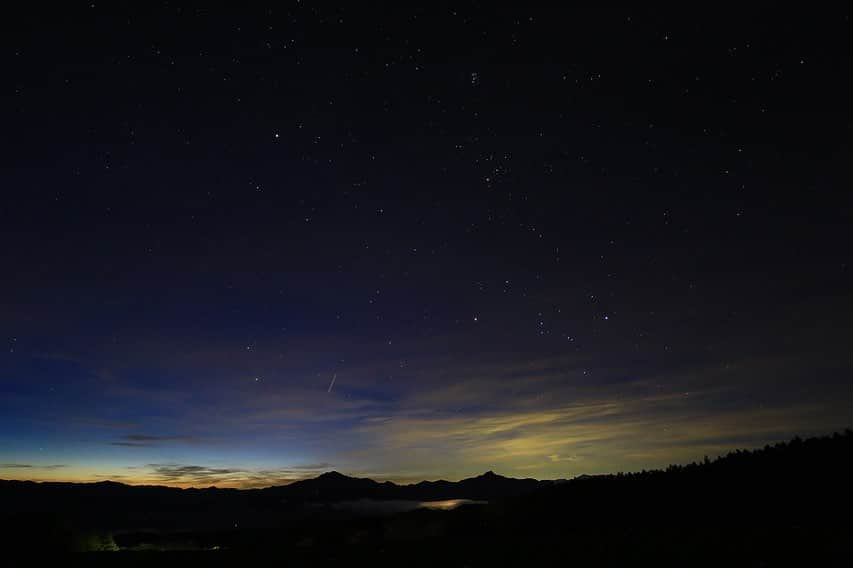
pixel 31 466
pixel 148 441
pixel 191 475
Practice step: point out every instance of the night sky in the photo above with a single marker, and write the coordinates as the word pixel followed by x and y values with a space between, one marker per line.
pixel 245 246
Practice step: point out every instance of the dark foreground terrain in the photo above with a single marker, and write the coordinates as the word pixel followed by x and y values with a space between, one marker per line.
pixel 788 504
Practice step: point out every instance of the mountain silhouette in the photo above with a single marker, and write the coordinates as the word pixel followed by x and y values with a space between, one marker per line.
pixel 335 486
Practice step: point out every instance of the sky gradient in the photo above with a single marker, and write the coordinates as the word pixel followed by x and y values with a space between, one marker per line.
pixel 242 248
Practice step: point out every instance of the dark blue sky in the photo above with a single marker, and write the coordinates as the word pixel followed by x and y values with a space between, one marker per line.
pixel 540 243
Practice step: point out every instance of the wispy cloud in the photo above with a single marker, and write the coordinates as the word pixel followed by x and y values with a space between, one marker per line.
pixel 590 436
pixel 177 472
pixel 147 441
pixel 31 466
pixel 202 475
pixel 146 438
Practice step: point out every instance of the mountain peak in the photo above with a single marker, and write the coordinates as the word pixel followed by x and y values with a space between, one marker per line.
pixel 333 475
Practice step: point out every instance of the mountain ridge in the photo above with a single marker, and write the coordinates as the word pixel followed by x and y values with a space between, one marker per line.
pixel 328 486
pixel 333 485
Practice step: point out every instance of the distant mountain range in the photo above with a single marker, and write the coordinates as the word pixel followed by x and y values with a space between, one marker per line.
pixel 334 486
pixel 327 488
